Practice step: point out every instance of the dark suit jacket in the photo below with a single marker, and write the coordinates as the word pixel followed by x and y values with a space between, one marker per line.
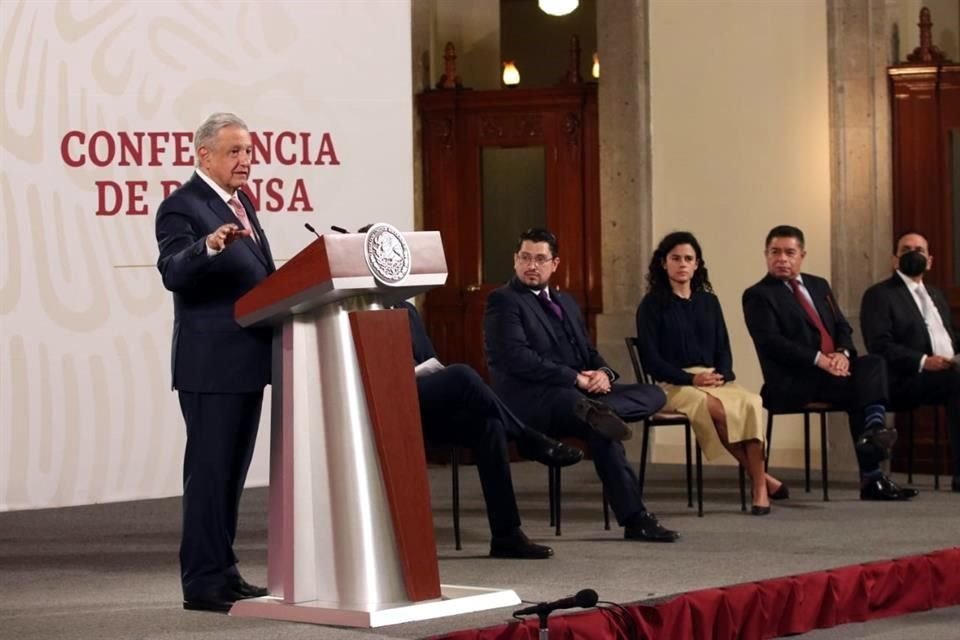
pixel 422 346
pixel 786 339
pixel 211 352
pixel 894 328
pixel 522 347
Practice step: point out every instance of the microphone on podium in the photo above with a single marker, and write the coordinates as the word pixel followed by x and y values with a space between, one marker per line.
pixel 338 229
pixel 585 598
pixel 311 229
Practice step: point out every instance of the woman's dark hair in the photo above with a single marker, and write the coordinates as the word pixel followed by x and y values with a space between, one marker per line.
pixel 658 283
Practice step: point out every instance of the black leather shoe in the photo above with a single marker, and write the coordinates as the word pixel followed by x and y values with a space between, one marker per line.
pixel 247 590
pixel 533 445
pixel 757 510
pixel 645 527
pixel 218 599
pixel 955 485
pixel 881 437
pixel 905 492
pixel 602 419
pixel 782 493
pixel 882 489
pixel 517 545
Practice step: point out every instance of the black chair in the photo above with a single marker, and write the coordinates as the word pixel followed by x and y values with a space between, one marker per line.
pixel 669 418
pixel 909 412
pixel 455 456
pixel 819 408
pixel 556 488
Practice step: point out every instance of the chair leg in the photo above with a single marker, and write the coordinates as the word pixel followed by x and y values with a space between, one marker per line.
pixel 557 499
pixel 455 475
pixel 936 448
pixel 606 512
pixel 686 433
pixel 766 457
pixel 743 488
pixel 806 450
pixel 910 447
pixel 824 472
pixel 552 491
pixel 643 456
pixel 699 481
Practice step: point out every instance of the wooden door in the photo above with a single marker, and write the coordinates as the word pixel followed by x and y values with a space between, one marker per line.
pixel 495 164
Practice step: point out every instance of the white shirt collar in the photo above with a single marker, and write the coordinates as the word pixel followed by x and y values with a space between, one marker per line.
pixel 226 197
pixel 912 285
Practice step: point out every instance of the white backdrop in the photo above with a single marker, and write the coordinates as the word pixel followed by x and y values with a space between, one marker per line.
pixel 86 411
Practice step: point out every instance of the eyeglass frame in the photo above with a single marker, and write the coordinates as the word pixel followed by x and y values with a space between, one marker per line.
pixel 539 260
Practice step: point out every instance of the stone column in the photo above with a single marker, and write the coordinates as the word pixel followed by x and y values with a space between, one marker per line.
pixel 860 46
pixel 625 162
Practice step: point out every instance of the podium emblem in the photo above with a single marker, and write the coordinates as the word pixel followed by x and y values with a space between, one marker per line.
pixel 387 254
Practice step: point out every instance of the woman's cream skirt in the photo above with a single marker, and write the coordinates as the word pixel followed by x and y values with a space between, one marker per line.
pixel 744 410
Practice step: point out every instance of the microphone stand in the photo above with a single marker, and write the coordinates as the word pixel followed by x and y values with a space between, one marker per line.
pixel 544 627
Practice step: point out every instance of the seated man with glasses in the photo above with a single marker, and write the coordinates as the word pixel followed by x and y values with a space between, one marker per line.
pixel 545 369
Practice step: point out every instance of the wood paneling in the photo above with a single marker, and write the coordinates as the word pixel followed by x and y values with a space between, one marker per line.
pixel 925 106
pixel 456 125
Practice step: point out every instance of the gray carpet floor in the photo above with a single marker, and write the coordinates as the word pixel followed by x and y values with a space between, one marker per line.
pixel 110 571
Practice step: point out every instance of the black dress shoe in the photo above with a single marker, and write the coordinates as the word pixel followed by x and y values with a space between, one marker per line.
pixel 955 485
pixel 782 493
pixel 881 437
pixel 602 419
pixel 905 492
pixel 533 445
pixel 247 590
pixel 645 527
pixel 882 489
pixel 517 545
pixel 757 510
pixel 218 599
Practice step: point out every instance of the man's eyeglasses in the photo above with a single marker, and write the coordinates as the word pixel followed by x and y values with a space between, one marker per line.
pixel 539 259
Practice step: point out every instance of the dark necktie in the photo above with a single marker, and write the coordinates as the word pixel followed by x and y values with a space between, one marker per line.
pixel 549 304
pixel 826 340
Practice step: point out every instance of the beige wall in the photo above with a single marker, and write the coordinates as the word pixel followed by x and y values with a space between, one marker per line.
pixel 739 119
pixel 474 28
pixel 946 26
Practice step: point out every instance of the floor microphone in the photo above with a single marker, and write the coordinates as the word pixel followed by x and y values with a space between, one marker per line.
pixel 585 598
pixel 311 229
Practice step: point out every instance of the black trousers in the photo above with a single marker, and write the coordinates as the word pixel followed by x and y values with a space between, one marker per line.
pixel 457 407
pixel 631 402
pixel 867 385
pixel 933 387
pixel 221 434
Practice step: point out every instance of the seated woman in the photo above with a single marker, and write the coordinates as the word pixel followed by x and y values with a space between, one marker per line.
pixel 685 347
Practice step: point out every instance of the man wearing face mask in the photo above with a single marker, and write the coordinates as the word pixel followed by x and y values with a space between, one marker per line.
pixel 907 322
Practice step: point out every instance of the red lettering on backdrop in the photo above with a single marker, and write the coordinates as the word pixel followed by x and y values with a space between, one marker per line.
pixel 282 158
pixel 69 160
pixel 102 188
pixel 326 149
pixel 174 148
pixel 95 150
pixel 183 147
pixel 157 138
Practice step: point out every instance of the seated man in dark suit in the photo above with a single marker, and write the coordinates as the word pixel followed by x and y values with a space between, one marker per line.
pixel 806 352
pixel 457 407
pixel 546 370
pixel 907 323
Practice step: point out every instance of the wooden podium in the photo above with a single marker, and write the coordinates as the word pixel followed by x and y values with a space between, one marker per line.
pixel 351 538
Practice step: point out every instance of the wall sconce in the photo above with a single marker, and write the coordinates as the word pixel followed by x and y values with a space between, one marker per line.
pixel 595 72
pixel 558 7
pixel 511 77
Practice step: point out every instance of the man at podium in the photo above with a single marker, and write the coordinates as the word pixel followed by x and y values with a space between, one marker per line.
pixel 212 251
pixel 457 406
